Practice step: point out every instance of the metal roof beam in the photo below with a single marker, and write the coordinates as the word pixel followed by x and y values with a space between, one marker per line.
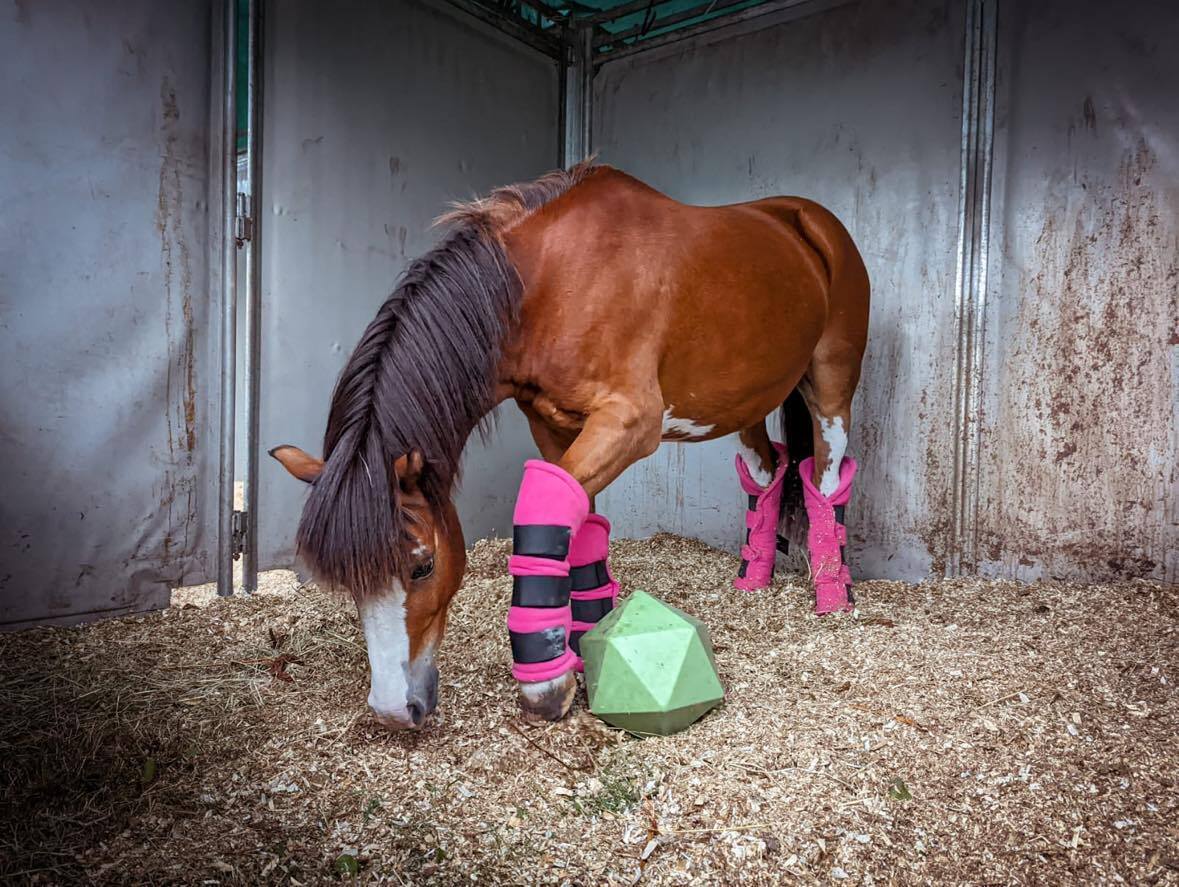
pixel 673 19
pixel 538 38
pixel 776 10
pixel 610 15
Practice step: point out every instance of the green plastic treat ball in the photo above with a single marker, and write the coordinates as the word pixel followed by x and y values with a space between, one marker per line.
pixel 649 667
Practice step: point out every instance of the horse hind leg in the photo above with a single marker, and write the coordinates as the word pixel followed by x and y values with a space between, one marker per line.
pixel 761 466
pixel 827 479
pixel 757 452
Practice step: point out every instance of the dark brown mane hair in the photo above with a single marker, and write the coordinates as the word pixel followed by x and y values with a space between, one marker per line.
pixel 421 378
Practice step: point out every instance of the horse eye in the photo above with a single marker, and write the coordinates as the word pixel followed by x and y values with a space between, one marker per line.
pixel 422 571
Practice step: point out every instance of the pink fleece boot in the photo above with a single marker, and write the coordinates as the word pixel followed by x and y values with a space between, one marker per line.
pixel 761 525
pixel 827 537
pixel 594 591
pixel 550 509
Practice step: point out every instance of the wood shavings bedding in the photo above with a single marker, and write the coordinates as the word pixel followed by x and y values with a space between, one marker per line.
pixel 958 731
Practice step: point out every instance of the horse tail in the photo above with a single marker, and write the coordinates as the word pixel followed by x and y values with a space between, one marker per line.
pixel 794 419
pixel 846 277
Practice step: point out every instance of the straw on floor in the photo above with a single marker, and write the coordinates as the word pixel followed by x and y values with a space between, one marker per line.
pixel 954 731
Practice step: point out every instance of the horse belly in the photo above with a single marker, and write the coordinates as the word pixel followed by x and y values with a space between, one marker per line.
pixel 724 370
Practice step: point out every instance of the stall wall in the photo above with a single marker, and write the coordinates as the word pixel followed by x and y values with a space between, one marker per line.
pixel 377 115
pixel 859 108
pixel 1078 470
pixel 104 307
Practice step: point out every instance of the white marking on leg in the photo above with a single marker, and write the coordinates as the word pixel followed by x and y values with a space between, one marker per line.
pixel 675 428
pixel 383 619
pixel 753 462
pixel 835 436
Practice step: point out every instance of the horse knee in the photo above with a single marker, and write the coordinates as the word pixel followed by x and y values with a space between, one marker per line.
pixel 649 441
pixel 642 426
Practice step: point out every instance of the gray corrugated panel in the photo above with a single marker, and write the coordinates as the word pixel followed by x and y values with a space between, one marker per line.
pixel 105 359
pixel 859 108
pixel 1078 445
pixel 376 115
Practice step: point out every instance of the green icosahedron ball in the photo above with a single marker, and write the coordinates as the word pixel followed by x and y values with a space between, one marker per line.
pixel 649 667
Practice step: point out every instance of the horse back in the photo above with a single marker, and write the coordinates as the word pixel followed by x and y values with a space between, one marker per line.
pixel 623 285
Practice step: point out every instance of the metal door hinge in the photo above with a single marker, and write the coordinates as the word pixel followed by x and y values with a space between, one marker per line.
pixel 237 545
pixel 243 221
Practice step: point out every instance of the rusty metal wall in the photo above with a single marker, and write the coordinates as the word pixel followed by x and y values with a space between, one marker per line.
pixel 858 107
pixel 104 354
pixel 377 115
pixel 1077 472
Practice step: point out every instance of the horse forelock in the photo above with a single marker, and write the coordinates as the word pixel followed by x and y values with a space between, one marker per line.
pixel 422 377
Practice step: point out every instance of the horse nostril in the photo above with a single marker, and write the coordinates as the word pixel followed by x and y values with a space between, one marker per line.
pixel 417 714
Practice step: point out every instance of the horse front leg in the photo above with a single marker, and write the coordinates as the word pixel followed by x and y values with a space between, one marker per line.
pixel 593 588
pixel 550 532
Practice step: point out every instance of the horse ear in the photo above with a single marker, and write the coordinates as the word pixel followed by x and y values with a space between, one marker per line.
pixel 300 464
pixel 408 469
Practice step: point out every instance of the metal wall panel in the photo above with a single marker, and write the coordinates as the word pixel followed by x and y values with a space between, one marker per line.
pixel 1078 440
pixel 104 353
pixel 859 108
pixel 376 115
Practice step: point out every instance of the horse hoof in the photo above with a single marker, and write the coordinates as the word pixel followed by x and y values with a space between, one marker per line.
pixel 741 583
pixel 548 700
pixel 833 597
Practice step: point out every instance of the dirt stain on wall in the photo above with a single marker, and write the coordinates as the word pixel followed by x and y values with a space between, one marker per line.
pixel 1080 459
pixel 180 377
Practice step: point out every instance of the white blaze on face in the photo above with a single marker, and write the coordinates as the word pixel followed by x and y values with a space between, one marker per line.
pixel 682 429
pixel 383 619
pixel 835 436
pixel 753 462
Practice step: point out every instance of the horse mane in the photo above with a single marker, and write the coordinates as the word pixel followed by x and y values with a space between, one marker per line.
pixel 421 378
pixel 507 206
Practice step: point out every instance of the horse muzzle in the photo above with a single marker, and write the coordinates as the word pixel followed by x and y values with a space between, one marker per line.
pixel 420 702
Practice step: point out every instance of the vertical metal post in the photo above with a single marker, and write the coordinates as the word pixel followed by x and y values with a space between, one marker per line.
pixel 578 95
pixel 225 519
pixel 974 217
pixel 562 94
pixel 585 58
pixel 562 97
pixel 253 366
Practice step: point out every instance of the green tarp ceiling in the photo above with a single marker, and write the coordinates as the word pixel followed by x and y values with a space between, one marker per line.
pixel 617 24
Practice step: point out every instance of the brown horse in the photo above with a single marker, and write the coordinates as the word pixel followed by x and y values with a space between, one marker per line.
pixel 616 318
